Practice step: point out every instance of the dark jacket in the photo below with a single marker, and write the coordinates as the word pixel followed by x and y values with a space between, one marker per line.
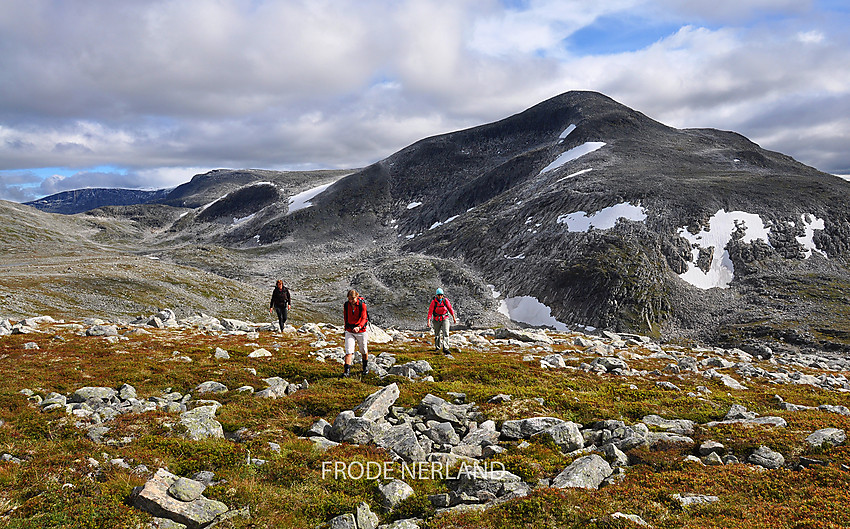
pixel 280 298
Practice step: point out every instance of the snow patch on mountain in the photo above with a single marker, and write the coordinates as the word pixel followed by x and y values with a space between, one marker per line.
pixel 414 205
pixel 810 223
pixel 572 154
pixel 303 199
pixel 438 223
pixel 604 219
pixel 527 309
pixel 721 225
pixel 566 133
pixel 573 175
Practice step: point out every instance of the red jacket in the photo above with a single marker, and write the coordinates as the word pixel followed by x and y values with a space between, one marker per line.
pixel 355 315
pixel 445 311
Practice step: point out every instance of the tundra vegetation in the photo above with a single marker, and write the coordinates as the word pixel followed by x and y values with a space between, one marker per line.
pixel 54 473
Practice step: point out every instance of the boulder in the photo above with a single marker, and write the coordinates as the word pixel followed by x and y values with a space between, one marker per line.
pixel 366 519
pixel 525 428
pixel 378 403
pixel 392 493
pixel 401 439
pixel 586 472
pixel 829 436
pixel 565 435
pixel 210 386
pixel 154 498
pixel 200 423
pixel 767 458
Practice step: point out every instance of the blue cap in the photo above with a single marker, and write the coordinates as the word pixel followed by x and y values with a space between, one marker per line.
pixel 439 291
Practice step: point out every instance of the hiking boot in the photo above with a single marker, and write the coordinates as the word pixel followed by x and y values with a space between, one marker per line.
pixel 346 371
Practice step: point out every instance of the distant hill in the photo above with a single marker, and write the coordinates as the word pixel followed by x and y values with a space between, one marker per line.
pixel 80 200
pixel 576 212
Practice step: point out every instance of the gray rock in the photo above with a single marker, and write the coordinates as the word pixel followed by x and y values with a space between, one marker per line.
pixel 679 426
pixel 433 408
pixel 153 498
pixel 401 439
pixel 210 386
pixel 485 434
pixel 260 353
pixel 841 410
pixel 200 423
pixel 566 436
pixel 392 493
pixel 442 433
pixel 738 411
pixel 321 428
pixel 236 325
pixel 351 429
pixel 221 354
pixel 694 499
pixel 553 361
pixel 525 428
pixel 709 447
pixel 102 330
pixel 344 521
pixel 634 518
pixel 830 436
pixel 474 481
pixel 366 519
pixel 378 403
pixel 714 459
pixel 88 393
pixel 767 458
pixel 523 336
pixel 586 472
pixel 185 489
pixel 127 392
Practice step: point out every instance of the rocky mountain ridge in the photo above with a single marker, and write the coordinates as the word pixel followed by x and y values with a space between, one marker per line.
pixel 578 211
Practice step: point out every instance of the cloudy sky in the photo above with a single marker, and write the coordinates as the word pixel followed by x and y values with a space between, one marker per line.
pixel 147 93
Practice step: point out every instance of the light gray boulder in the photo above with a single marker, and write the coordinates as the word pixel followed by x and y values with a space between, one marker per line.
pixel 553 361
pixel 366 519
pixel 185 489
pixel 200 423
pixel 586 472
pixel 236 325
pixel 442 433
pixel 92 393
pixel 523 336
pixel 102 330
pixel 525 428
pixel 473 482
pixel 400 439
pixel 390 494
pixel 694 499
pixel 485 434
pixel 377 405
pixel 566 436
pixel 679 426
pixel 767 458
pixel 210 386
pixel 344 521
pixel 320 428
pixel 829 436
pixel 433 408
pixel 154 498
pixel 221 354
pixel 710 447
pixel 352 429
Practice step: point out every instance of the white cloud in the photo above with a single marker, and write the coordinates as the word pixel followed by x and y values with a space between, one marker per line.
pixel 149 86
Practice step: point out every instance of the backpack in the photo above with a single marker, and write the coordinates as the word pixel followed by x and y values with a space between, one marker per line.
pixel 361 305
pixel 440 308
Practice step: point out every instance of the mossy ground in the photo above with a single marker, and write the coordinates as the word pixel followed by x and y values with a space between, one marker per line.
pixel 57 486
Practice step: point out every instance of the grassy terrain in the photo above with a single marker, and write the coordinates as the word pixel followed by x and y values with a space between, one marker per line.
pixel 65 480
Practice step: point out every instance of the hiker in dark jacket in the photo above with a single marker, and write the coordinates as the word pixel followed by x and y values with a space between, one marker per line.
pixel 356 318
pixel 280 303
pixel 439 311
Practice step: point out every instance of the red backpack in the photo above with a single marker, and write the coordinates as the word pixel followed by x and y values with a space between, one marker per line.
pixel 440 308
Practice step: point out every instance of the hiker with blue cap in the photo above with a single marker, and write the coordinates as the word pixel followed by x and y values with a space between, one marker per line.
pixel 439 312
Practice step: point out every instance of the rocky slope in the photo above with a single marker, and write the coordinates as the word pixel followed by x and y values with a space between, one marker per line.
pixel 579 208
pixel 80 200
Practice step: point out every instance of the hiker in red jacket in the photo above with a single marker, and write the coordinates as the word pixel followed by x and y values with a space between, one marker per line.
pixel 356 318
pixel 439 311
